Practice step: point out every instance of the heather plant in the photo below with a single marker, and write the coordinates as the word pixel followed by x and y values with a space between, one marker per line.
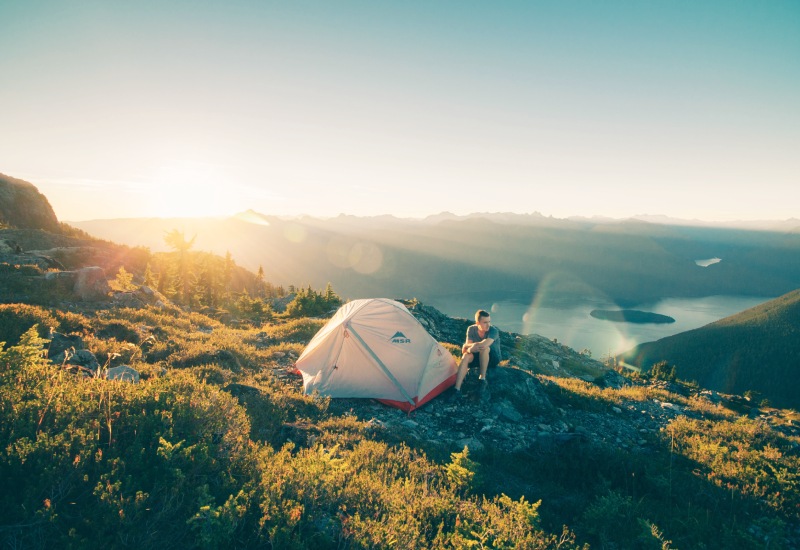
pixel 16 319
pixel 93 462
pixel 293 330
pixel 744 456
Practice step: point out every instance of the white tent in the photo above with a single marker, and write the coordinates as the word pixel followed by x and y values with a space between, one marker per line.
pixel 375 348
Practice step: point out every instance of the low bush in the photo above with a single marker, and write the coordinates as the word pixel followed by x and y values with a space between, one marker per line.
pixel 17 319
pixel 294 330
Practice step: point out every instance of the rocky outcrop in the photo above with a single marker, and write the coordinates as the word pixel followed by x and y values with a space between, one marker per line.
pixel 22 206
pixel 123 373
pixel 88 284
pixel 69 351
pixel 141 297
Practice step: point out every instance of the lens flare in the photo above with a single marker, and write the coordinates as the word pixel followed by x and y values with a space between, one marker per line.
pixel 366 258
pixel 295 233
pixel 560 310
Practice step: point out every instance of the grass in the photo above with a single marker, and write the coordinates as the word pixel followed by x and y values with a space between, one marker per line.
pixel 213 449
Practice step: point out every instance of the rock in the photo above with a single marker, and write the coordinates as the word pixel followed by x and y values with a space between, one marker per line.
pixel 616 410
pixel 151 297
pixel 613 379
pixel 64 280
pixel 471 443
pixel 87 284
pixel 84 359
pixel 711 395
pixel 123 373
pixel 507 411
pixel 91 284
pixel 59 343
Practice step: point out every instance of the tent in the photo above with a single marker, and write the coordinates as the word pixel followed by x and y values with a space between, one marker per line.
pixel 375 348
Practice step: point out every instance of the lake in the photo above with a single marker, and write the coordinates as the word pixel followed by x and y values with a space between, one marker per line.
pixel 574 326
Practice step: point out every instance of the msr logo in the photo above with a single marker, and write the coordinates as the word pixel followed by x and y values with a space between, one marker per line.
pixel 400 338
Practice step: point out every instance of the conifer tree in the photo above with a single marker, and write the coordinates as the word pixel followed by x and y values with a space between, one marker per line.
pixel 150 278
pixel 177 241
pixel 124 280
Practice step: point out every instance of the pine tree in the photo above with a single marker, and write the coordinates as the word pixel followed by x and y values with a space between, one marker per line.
pixel 124 280
pixel 150 278
pixel 177 241
pixel 227 278
pixel 260 280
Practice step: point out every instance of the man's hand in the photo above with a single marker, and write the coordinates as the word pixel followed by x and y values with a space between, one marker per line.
pixel 475 347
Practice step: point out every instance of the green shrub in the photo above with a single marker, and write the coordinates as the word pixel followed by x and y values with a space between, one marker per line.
pixel 90 462
pixel 16 319
pixel 294 330
pixel 119 329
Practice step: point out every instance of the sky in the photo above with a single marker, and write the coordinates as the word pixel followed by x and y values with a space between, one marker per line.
pixel 689 109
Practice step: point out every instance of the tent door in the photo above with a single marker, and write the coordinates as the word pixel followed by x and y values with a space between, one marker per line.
pixel 381 365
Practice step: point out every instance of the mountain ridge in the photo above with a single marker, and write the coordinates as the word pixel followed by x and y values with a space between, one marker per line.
pixel 629 262
pixel 729 355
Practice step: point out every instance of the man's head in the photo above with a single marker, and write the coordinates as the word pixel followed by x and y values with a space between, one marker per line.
pixel 483 319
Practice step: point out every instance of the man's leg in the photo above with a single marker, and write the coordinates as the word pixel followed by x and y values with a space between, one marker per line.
pixel 463 367
pixel 484 359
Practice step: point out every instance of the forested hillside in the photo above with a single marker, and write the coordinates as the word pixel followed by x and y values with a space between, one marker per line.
pixel 628 262
pixel 757 350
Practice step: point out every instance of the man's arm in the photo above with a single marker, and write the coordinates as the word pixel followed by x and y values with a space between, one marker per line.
pixel 473 347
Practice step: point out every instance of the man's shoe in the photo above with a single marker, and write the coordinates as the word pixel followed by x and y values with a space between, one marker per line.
pixel 455 396
pixel 483 390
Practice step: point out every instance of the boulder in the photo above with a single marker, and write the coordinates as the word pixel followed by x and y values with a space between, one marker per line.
pixel 88 284
pixel 59 343
pixel 142 296
pixel 123 373
pixel 91 284
pixel 84 359
pixel 507 412
pixel 612 379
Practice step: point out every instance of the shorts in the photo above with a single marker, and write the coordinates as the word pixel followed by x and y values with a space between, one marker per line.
pixel 493 361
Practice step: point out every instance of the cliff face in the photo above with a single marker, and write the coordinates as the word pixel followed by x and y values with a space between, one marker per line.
pixel 23 207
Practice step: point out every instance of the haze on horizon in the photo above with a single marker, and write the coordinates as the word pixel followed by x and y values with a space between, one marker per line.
pixel 686 109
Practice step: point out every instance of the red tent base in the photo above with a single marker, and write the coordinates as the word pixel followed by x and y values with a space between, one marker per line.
pixel 408 407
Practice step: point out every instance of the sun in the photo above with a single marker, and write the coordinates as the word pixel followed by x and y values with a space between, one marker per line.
pixel 192 189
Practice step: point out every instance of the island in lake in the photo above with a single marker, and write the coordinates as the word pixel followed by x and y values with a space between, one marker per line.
pixel 630 316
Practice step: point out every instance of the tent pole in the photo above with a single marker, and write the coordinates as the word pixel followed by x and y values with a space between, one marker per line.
pixel 381 365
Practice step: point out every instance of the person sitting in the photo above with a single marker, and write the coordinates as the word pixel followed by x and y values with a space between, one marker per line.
pixel 483 341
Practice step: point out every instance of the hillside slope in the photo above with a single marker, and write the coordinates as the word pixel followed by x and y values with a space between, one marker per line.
pixel 757 349
pixel 22 206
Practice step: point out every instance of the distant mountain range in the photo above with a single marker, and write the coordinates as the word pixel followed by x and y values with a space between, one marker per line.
pixel 500 256
pixel 757 349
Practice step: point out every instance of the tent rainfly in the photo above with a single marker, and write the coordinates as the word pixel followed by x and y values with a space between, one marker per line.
pixel 375 348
